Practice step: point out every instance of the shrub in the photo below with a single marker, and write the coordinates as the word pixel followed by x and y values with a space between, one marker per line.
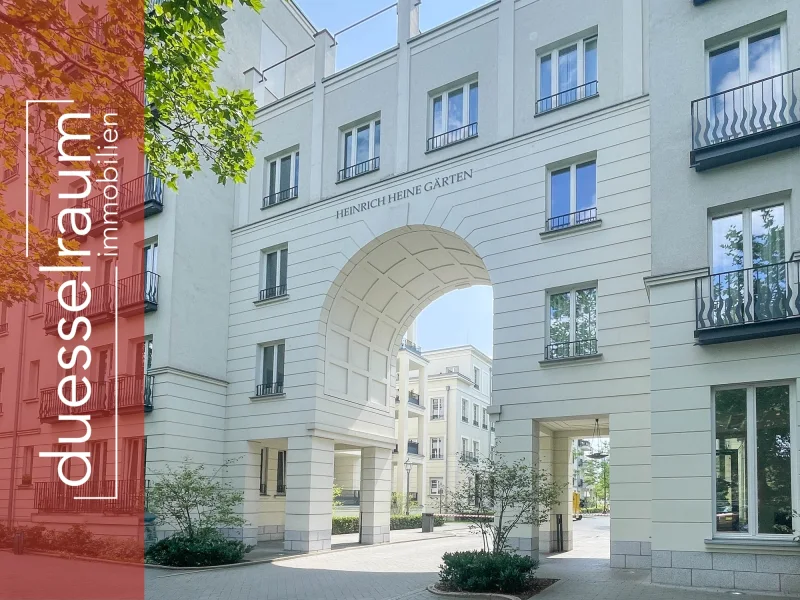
pixel 205 550
pixel 479 571
pixel 344 525
pixel 411 522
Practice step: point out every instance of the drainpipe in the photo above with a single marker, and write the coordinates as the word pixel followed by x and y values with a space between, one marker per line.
pixel 17 413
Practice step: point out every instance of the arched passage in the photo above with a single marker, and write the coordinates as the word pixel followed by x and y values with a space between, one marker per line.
pixel 376 297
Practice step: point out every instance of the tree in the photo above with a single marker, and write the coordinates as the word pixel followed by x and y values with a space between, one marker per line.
pixel 497 496
pixel 591 475
pixel 194 502
pixel 603 485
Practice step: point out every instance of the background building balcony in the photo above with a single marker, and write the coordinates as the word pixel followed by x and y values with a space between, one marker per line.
pixel 141 197
pixel 55 497
pixel 138 293
pixel 100 308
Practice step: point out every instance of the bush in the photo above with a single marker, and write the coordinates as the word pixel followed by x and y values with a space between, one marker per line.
pixel 344 525
pixel 480 571
pixel 204 550
pixel 77 540
pixel 411 522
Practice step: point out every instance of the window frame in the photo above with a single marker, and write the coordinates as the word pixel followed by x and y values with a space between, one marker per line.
pixel 572 290
pixel 470 127
pixel 476 377
pixel 752 492
pixel 476 414
pixel 280 287
pixel 580 44
pixel 437 412
pixel 278 384
pixel 476 448
pixel 270 199
pixel 465 439
pixel 464 409
pixel 439 486
pixel 440 440
pixel 373 123
pixel 263 472
pixel 485 419
pixel 574 217
pixel 280 474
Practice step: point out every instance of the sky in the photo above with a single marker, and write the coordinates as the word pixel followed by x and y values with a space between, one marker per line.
pixel 380 33
pixel 463 316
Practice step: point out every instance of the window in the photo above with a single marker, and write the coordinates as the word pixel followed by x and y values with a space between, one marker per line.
pixel 465 446
pixel 282 179
pixel 263 469
pixel 274 269
pixel 33 380
pixel 572 324
pixel 27 465
pixel 749 274
pixel 135 451
pixel 485 419
pixel 150 270
pixel 67 470
pixel 437 409
pixel 280 485
pixel 573 196
pixel 475 412
pixel 567 74
pixel 44 212
pixel 476 378
pixel 361 151
pixel 271 370
pixel 98 452
pixel 476 448
pixel 753 460
pixel 465 410
pixel 3 318
pixel 143 356
pixel 437 448
pixel 36 306
pixel 436 486
pixel 454 116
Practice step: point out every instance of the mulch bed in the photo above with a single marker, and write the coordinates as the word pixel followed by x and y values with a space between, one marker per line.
pixel 539 585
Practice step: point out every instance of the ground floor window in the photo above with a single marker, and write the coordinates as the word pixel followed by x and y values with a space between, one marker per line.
pixel 262 484
pixel 753 460
pixel 436 486
pixel 281 484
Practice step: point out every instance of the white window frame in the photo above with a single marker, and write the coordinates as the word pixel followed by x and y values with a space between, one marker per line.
pixel 476 378
pixel 439 485
pixel 465 111
pixel 294 176
pixel 440 441
pixel 354 149
pixel 260 372
pixel 572 306
pixel 468 445
pixel 476 448
pixel 752 491
pixel 464 409
pixel 573 190
pixel 280 469
pixel 437 409
pixel 476 414
pixel 281 275
pixel 553 54
pixel 263 472
pixel 744 52
pixel 747 231
pixel 485 421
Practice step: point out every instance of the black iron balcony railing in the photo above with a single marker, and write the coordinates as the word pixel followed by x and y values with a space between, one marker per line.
pixel 580 217
pixel 476 423
pixel 468 457
pixel 10 172
pixel 413 398
pixel 141 197
pixel 101 396
pixel 280 488
pixel 3 328
pixel 55 497
pixel 465 418
pixel 349 498
pixel 279 197
pixel 361 168
pixel 272 292
pixel 454 136
pixel 135 393
pixel 411 347
pixel 269 389
pixel 413 447
pixel 100 308
pixel 139 293
pixel 567 97
pixel 574 349
pixel 747 110
pixel 747 297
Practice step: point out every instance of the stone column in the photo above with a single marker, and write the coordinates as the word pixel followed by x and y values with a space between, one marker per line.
pixel 422 436
pixel 562 475
pixel 309 494
pixel 402 422
pixel 376 494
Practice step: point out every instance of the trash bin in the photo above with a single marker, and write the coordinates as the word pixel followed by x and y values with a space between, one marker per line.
pixel 18 543
pixel 427 522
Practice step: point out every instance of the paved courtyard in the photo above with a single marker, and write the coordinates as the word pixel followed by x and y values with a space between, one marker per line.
pixel 403 570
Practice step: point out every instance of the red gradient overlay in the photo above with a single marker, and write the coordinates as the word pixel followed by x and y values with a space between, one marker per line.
pixel 74 288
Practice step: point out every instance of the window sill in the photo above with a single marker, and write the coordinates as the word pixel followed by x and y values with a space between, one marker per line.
pixel 450 145
pixel 554 233
pixel 283 495
pixel 560 106
pixel 274 300
pixel 755 545
pixel 25 486
pixel 571 359
pixel 31 400
pixel 268 397
pixel 38 315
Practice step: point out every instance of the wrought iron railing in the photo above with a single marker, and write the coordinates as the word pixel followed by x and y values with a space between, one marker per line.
pixel 361 168
pixel 411 347
pixel 135 391
pixel 101 304
pixel 567 97
pixel 413 398
pixel 747 296
pixel 269 389
pixel 272 292
pixel 468 457
pixel 580 217
pixel 139 290
pixel 413 447
pixel 746 110
pixel 278 197
pixel 10 172
pixel 143 193
pixel 280 488
pixel 574 349
pixel 101 397
pixel 454 136
pixel 55 497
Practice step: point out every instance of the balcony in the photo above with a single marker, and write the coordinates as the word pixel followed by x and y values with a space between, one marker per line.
pixel 413 447
pixel 55 497
pixel 10 172
pixel 411 347
pixel 100 309
pixel 138 294
pixel 581 217
pixel 567 97
pixel 576 349
pixel 69 232
pixel 51 406
pixel 469 457
pixel 748 304
pixel 362 168
pixel 141 197
pixel 135 393
pixel 279 197
pixel 745 122
pixel 272 292
pixel 452 137
pixel 269 389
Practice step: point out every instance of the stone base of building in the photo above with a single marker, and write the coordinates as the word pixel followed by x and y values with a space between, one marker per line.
pixel 269 533
pixel 307 541
pixel 548 542
pixel 733 571
pixel 375 535
pixel 525 546
pixel 630 555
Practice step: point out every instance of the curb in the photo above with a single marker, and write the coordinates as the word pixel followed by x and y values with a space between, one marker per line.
pixel 490 596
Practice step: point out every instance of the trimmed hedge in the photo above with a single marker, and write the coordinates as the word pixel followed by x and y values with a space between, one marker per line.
pixel 350 524
pixel 479 571
pixel 205 550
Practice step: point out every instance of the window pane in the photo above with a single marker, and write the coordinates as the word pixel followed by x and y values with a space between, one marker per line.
pixel 723 69
pixel 559 195
pixel 731 460
pixel 586 318
pixel 281 354
pixel 455 109
pixel 773 460
pixel 348 149
pixel 590 67
pixel 272 270
pixel 769 272
pixel 728 244
pixel 269 361
pixel 769 242
pixel 764 56
pixel 473 103
pixel 438 123
pixel 362 144
pixel 559 318
pixel 296 169
pixel 284 264
pixel 286 172
pixel 586 188
pixel 272 177
pixel 377 152
pixel 545 80
pixel 568 74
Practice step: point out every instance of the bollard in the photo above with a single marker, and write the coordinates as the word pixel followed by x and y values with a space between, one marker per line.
pixel 18 543
pixel 427 522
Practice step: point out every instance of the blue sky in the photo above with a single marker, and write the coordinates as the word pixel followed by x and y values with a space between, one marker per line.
pixel 380 33
pixel 463 316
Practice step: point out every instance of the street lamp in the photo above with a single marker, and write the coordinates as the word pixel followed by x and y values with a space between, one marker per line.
pixel 407 465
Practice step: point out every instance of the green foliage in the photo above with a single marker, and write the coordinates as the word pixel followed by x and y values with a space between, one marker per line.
pixel 337 493
pixel 189 120
pixel 347 524
pixel 341 525
pixel 204 550
pixel 479 571
pixel 194 503
pixel 76 541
